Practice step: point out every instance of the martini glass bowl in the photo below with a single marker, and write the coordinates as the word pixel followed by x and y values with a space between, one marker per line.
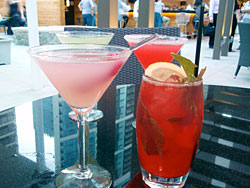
pixel 81 73
pixel 85 37
pixel 158 50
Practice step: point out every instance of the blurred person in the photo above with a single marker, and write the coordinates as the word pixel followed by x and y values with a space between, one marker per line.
pixel 197 8
pixel 246 12
pixel 183 5
pixel 190 7
pixel 123 14
pixel 87 8
pixel 24 12
pixel 213 12
pixel 158 10
pixel 245 9
pixel 94 13
pixel 16 15
pixel 136 11
pixel 234 24
pixel 25 15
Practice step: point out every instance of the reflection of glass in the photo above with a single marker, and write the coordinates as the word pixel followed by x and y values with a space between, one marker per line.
pixel 81 74
pixel 116 154
pixel 85 37
pixel 158 50
pixel 169 122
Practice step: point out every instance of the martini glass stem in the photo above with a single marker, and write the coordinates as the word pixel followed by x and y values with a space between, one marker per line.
pixel 83 144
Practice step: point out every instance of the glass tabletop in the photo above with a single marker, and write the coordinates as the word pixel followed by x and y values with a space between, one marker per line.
pixel 37 139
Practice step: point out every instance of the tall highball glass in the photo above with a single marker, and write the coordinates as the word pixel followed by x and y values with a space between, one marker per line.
pixel 168 127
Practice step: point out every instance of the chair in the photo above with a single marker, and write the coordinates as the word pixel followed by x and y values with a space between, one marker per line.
pixel 182 19
pixel 132 71
pixel 244 59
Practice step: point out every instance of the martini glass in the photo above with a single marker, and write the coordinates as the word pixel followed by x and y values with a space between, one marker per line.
pixel 85 37
pixel 158 50
pixel 81 73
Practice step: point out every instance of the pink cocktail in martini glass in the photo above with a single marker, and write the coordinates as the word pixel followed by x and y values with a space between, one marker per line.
pixel 81 73
pixel 85 37
pixel 158 50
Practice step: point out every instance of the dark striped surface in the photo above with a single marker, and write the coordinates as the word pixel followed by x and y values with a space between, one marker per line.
pixel 223 158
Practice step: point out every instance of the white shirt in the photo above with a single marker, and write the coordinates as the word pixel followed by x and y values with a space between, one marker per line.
pixel 246 16
pixel 159 6
pixel 213 8
pixel 86 6
pixel 136 9
pixel 122 9
pixel 246 6
pixel 190 7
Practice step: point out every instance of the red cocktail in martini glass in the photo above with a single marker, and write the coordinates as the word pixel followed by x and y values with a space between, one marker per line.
pixel 158 50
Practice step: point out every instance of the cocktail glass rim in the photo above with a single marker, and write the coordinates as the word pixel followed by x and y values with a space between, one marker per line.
pixel 155 82
pixel 38 51
pixel 161 40
pixel 93 34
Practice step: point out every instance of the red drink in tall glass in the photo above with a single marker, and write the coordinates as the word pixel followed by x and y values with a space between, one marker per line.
pixel 168 124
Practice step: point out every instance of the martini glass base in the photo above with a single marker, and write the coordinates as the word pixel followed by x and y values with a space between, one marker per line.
pixel 94 115
pixel 96 177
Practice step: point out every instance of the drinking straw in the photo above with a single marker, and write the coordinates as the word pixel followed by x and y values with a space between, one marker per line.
pixel 143 42
pixel 199 36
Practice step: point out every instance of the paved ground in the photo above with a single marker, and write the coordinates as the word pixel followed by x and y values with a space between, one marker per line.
pixel 16 80
pixel 219 72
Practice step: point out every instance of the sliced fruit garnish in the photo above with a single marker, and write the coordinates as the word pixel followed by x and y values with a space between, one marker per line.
pixel 166 72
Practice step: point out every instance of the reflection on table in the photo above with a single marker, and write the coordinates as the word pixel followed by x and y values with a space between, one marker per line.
pixel 38 139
